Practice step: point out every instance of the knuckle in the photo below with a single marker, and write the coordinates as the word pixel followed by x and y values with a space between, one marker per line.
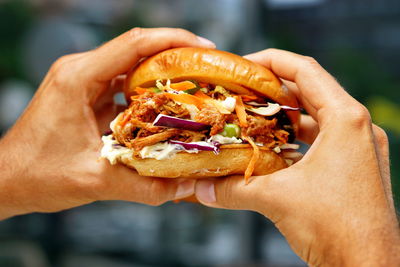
pixel 94 181
pixel 93 187
pixel 59 63
pixel 64 68
pixel 380 136
pixel 59 68
pixel 310 62
pixel 158 193
pixel 137 33
pixel 182 31
pixel 59 78
pixel 270 51
pixel 224 193
pixel 357 116
pixel 64 60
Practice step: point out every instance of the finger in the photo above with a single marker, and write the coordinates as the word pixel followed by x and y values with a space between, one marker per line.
pixel 382 152
pixel 120 54
pixel 316 85
pixel 122 183
pixel 107 96
pixel 302 101
pixel 232 192
pixel 308 129
pixel 117 84
pixel 105 109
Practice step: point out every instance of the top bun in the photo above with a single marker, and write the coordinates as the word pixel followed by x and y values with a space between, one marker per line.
pixel 231 71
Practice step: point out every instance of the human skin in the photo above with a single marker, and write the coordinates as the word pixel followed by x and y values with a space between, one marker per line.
pixel 335 205
pixel 49 159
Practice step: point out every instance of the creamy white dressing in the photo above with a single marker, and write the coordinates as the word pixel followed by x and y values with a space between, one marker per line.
pixel 113 151
pixel 225 140
pixel 159 151
pixel 229 103
pixel 113 124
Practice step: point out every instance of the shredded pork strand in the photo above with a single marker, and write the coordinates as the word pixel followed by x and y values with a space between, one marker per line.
pixel 210 115
pixel 138 143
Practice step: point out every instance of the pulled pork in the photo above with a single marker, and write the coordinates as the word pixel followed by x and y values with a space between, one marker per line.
pixel 135 130
pixel 210 115
pixel 263 130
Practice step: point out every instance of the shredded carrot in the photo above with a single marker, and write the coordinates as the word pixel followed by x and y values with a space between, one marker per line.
pixel 125 119
pixel 186 99
pixel 247 98
pixel 140 90
pixel 241 112
pixel 134 97
pixel 229 146
pixel 202 95
pixel 254 158
pixel 181 86
pixel 213 102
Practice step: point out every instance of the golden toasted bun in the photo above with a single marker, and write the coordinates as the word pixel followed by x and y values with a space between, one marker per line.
pixel 206 164
pixel 216 67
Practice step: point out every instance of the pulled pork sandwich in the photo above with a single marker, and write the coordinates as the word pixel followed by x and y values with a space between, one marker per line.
pixel 196 112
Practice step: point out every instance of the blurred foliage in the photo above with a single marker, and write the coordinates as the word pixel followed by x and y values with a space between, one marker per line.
pixel 362 75
pixel 15 18
pixel 385 113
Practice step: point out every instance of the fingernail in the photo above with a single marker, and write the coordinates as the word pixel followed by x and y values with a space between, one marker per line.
pixel 205 191
pixel 185 189
pixel 206 42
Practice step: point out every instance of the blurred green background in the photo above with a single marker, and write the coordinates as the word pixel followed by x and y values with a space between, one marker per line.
pixel 356 40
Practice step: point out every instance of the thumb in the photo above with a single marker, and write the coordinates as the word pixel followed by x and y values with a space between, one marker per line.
pixel 126 184
pixel 232 192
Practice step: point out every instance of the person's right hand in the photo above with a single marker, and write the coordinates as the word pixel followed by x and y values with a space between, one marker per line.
pixel 335 205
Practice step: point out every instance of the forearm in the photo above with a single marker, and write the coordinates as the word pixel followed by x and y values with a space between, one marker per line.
pixel 11 173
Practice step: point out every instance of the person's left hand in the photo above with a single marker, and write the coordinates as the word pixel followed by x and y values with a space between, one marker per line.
pixel 50 158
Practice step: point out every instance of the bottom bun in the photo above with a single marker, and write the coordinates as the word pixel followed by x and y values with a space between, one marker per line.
pixel 206 164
